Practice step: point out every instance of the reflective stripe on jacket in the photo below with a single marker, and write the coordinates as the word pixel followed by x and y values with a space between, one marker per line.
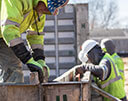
pixel 17 17
pixel 113 84
pixel 120 64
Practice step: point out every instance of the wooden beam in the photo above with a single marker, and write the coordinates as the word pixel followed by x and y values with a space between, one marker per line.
pixel 34 78
pixel 86 88
pixel 105 94
pixel 67 76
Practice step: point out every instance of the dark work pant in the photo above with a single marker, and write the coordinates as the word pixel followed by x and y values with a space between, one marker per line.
pixel 10 65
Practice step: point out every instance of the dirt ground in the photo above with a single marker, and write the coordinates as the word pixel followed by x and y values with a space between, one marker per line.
pixel 126 74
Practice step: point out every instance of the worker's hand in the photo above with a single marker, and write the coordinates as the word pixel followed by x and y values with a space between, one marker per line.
pixel 45 69
pixel 79 70
pixel 36 67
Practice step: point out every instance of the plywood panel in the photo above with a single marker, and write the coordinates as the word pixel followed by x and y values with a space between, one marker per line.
pixel 19 93
pixel 61 92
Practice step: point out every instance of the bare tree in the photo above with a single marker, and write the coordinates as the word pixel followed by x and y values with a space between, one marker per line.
pixel 102 13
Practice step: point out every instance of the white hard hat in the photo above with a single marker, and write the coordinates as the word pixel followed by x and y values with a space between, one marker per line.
pixel 83 58
pixel 86 47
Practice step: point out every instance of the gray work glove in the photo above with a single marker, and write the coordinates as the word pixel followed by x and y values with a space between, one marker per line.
pixel 96 70
pixel 79 70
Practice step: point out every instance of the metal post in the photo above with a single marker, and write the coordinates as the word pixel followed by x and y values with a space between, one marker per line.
pixel 56 46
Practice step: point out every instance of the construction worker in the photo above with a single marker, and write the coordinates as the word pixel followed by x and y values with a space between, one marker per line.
pixel 18 16
pixel 103 68
pixel 108 45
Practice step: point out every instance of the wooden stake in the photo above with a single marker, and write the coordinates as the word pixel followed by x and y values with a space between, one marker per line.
pixel 34 80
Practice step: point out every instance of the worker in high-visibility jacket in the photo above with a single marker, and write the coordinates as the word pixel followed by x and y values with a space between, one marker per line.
pixel 103 68
pixel 108 45
pixel 18 16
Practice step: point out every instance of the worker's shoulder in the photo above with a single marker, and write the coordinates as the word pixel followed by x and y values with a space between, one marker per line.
pixel 106 61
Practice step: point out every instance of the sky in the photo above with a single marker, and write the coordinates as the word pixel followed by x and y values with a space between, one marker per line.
pixel 122 10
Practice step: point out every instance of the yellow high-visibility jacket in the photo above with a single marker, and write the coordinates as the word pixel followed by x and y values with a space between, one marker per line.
pixel 114 83
pixel 120 64
pixel 17 16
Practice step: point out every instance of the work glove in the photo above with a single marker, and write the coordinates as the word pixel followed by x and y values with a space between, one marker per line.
pixel 96 70
pixel 45 69
pixel 24 55
pixel 36 67
pixel 79 70
pixel 38 55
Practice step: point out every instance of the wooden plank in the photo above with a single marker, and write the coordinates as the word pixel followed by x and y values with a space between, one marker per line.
pixel 3 93
pixel 44 92
pixel 105 94
pixel 86 92
pixel 57 91
pixel 67 75
pixel 70 76
pixel 70 91
pixel 18 93
pixel 34 80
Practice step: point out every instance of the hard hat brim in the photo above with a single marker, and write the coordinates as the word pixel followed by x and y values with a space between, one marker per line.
pixel 82 57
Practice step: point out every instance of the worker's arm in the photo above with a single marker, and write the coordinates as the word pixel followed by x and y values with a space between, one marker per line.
pixel 36 42
pixel 35 39
pixel 11 18
pixel 102 70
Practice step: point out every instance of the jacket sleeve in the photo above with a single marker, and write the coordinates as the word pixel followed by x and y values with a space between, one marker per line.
pixel 40 23
pixel 10 19
pixel 32 36
pixel 35 41
pixel 102 70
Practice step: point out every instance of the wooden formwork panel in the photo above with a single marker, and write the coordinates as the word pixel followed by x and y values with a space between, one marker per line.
pixel 19 93
pixel 54 91
pixel 62 93
pixel 83 92
pixel 66 92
